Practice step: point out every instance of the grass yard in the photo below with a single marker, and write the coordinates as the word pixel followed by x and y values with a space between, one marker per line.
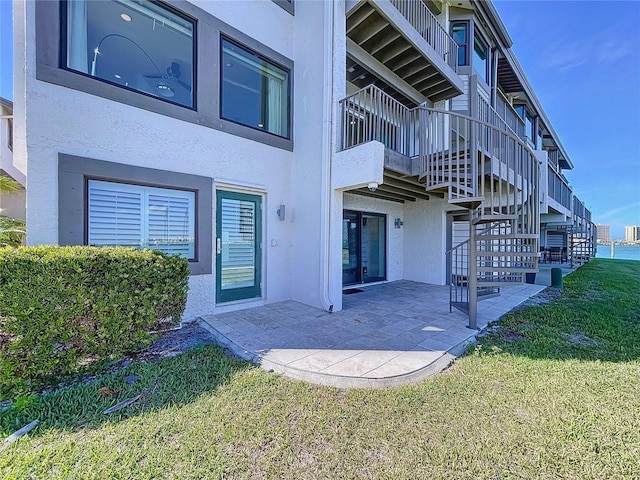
pixel 552 392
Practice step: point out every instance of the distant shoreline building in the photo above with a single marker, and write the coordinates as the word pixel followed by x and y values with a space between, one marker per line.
pixel 604 233
pixel 632 233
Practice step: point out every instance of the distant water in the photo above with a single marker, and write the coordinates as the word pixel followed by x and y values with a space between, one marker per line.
pixel 622 252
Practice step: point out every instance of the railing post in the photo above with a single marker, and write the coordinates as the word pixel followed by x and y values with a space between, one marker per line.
pixel 472 281
pixel 473 134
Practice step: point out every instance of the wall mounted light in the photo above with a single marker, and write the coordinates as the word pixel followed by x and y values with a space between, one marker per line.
pixel 398 222
pixel 280 212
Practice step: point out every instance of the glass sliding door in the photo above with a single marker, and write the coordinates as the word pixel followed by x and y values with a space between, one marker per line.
pixel 238 252
pixel 364 247
pixel 373 247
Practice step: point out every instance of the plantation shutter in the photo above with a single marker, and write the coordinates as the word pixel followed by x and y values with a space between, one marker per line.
pixel 115 214
pixel 142 217
pixel 171 221
pixel 239 240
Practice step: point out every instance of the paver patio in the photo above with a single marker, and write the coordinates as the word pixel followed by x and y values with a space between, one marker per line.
pixel 387 334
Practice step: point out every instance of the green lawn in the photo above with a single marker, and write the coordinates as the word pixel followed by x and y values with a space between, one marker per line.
pixel 554 392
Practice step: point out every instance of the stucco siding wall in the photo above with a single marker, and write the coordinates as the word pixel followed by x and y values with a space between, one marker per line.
pixel 425 240
pixel 53 119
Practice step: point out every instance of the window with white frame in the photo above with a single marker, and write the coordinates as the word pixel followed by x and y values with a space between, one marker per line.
pixel 141 217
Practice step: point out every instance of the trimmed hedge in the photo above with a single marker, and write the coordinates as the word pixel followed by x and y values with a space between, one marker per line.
pixel 63 308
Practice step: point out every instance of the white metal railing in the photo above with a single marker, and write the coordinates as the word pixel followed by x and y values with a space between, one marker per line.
pixel 370 114
pixel 502 117
pixel 580 210
pixel 466 154
pixel 428 26
pixel 506 111
pixel 470 154
pixel 558 189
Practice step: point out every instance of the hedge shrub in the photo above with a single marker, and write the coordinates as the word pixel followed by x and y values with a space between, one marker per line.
pixel 62 308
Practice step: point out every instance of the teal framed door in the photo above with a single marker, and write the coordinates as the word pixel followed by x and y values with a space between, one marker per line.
pixel 238 246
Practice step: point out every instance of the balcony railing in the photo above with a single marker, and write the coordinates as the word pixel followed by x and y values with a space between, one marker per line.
pixel 457 151
pixel 370 114
pixel 506 112
pixel 558 189
pixel 427 25
pixel 580 211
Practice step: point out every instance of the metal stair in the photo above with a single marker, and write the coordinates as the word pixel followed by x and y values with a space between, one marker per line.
pixel 492 173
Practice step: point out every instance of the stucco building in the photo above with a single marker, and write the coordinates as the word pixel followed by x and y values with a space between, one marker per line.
pixel 290 149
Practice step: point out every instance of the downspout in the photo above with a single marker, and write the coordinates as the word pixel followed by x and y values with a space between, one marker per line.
pixel 327 150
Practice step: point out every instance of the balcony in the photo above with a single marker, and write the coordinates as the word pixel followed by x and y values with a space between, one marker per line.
pixel 401 47
pixel 468 161
pixel 558 188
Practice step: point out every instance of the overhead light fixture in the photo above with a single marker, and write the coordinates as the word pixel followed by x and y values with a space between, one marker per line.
pixel 260 125
pixel 118 76
pixel 165 90
pixel 125 17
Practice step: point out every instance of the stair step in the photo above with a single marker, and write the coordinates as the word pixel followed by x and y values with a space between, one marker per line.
pixel 482 219
pixel 523 236
pixel 508 270
pixel 467 202
pixel 462 306
pixel 448 184
pixel 487 296
pixel 499 283
pixel 516 254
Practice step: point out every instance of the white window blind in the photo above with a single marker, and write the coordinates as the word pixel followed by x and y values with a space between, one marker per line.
pixel 239 240
pixel 142 217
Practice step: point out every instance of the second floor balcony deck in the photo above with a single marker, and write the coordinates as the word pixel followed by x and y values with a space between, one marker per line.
pixel 401 40
pixel 471 162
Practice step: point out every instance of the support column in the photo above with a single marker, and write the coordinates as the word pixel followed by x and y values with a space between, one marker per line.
pixel 472 283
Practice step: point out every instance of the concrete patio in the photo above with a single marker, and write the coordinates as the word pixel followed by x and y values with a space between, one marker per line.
pixel 388 334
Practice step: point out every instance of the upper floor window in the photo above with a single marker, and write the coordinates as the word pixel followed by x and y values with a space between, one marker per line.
pixel 254 90
pixel 481 58
pixel 528 118
pixel 139 45
pixel 460 33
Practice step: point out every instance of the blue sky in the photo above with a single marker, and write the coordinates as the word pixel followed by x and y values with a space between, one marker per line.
pixel 6 50
pixel 583 60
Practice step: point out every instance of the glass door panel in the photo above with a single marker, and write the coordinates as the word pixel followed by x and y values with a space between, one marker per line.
pixel 238 256
pixel 350 248
pixel 373 248
pixel 363 247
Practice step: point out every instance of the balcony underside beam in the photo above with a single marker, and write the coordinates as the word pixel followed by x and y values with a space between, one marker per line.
pixel 358 54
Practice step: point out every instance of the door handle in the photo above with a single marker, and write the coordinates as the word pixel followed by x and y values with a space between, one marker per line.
pixel 218 246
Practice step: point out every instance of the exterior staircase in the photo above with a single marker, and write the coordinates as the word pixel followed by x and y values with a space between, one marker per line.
pixel 481 166
pixel 488 170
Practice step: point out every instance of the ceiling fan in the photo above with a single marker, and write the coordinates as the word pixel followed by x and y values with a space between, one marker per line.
pixel 173 75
